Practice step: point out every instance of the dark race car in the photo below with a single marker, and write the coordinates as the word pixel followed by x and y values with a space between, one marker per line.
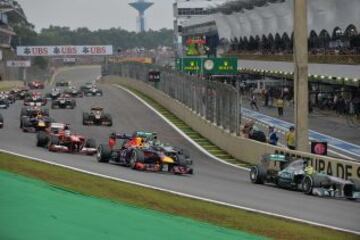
pixel 64 102
pixel 36 85
pixel 35 99
pixel 1 121
pixel 4 102
pixel 94 91
pixel 97 116
pixel 70 143
pixel 19 93
pixel 73 92
pixel 141 151
pixel 293 174
pixel 62 83
pixel 35 123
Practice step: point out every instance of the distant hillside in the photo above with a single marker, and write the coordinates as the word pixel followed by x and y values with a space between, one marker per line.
pixel 117 37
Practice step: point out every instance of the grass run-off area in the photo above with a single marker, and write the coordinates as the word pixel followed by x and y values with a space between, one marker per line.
pixel 7 85
pixel 228 217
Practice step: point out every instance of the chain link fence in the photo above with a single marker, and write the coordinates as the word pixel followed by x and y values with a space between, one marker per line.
pixel 217 102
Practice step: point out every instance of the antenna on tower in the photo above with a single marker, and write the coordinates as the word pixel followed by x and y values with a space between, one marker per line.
pixel 141 6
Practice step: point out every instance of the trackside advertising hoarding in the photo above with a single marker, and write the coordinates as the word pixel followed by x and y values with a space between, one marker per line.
pixel 18 63
pixel 50 51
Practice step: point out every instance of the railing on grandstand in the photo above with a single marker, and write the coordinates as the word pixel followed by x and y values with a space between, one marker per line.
pixel 216 102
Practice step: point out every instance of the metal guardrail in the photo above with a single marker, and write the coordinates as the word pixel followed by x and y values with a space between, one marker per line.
pixel 216 102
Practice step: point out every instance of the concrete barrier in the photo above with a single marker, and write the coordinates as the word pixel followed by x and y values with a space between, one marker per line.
pixel 239 147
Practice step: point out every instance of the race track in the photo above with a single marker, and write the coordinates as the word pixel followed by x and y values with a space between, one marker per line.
pixel 212 179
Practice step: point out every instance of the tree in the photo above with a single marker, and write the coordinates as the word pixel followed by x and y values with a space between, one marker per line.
pixel 41 62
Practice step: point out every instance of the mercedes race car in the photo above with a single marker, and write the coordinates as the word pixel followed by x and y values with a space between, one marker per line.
pixel 73 92
pixel 54 94
pixel 97 116
pixel 288 173
pixel 63 102
pixel 94 91
pixel 58 138
pixel 36 85
pixel 1 121
pixel 141 151
pixel 62 83
pixel 31 123
pixel 35 99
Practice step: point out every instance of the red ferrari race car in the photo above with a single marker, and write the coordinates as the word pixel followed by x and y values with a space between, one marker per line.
pixel 58 138
pixel 36 85
pixel 142 151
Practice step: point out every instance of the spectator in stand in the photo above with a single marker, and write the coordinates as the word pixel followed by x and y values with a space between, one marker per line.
pixel 280 107
pixel 266 96
pixel 272 137
pixel 290 138
pixel 253 102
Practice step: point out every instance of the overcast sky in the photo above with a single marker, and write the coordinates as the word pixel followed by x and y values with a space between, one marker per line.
pixel 95 14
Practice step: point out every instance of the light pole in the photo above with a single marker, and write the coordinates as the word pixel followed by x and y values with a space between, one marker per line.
pixel 301 75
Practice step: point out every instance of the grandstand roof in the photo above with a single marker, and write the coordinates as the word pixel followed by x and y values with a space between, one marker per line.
pixel 245 18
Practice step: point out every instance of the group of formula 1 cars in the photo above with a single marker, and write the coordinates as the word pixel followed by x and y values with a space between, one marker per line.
pixel 140 150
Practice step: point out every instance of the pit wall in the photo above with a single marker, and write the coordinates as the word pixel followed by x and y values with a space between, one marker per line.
pixel 239 147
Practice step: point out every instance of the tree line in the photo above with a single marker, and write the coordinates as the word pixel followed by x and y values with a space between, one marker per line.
pixel 118 37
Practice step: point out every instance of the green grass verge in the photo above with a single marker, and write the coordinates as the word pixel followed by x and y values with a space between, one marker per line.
pixel 263 225
pixel 7 85
pixel 191 133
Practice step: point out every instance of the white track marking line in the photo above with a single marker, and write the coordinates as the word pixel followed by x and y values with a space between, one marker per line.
pixel 185 194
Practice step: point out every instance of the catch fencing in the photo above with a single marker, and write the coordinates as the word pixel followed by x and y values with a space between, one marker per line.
pixel 218 103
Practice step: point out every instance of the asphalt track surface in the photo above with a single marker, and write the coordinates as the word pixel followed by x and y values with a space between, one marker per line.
pixel 212 179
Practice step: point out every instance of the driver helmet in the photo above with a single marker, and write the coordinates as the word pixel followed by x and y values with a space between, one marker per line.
pixel 309 170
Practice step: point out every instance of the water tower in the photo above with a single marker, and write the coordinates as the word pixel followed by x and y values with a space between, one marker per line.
pixel 141 6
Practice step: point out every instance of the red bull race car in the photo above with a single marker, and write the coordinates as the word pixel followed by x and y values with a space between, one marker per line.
pixel 142 151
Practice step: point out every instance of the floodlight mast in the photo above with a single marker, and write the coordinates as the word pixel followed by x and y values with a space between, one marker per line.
pixel 141 6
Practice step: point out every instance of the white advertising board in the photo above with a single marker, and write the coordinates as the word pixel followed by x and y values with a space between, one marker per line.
pixel 18 63
pixel 49 51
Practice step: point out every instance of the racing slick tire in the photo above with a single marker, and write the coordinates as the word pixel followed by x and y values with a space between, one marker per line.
pixel 25 123
pixel 90 143
pixel 137 156
pixel 86 117
pixel 308 184
pixel 46 112
pixel 181 160
pixel 108 118
pixel 53 105
pixel 1 121
pixel 54 140
pixel 42 139
pixel 103 154
pixel 23 112
pixel 257 175
pixel 72 104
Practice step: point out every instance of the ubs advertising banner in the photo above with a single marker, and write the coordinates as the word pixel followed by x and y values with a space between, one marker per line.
pixel 49 51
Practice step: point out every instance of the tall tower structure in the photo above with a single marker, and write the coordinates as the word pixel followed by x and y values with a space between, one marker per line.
pixel 141 6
